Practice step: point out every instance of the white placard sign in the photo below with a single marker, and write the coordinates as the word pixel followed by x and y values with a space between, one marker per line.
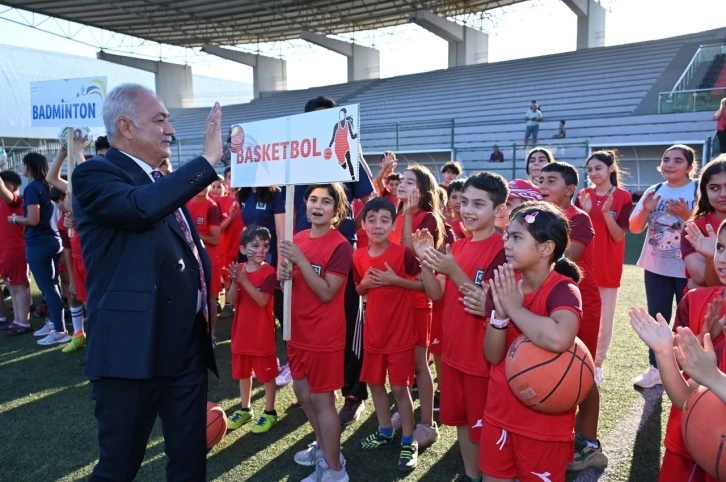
pixel 316 147
pixel 68 103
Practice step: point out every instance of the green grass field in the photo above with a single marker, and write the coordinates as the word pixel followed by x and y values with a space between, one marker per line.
pixel 48 432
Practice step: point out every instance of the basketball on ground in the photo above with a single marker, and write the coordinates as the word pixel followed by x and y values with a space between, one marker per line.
pixel 216 424
pixel 328 153
pixel 546 381
pixel 703 425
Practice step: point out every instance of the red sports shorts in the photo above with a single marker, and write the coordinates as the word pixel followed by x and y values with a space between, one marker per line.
pixel 265 367
pixel 589 331
pixel 14 266
pixel 677 468
pixel 79 278
pixel 422 317
pixel 215 284
pixel 463 398
pixel 401 368
pixel 507 455
pixel 435 346
pixel 323 370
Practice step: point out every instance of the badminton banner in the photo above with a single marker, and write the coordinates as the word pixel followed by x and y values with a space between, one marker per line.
pixel 316 147
pixel 68 103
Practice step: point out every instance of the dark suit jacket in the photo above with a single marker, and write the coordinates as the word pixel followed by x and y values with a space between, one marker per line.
pixel 142 276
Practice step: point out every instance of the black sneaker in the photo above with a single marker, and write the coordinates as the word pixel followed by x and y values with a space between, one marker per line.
pixel 351 410
pixel 408 458
pixel 376 440
pixel 436 402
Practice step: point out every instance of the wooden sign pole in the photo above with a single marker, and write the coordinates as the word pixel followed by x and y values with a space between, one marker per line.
pixel 287 285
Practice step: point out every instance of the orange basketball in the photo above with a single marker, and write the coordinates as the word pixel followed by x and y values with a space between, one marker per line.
pixel 703 425
pixel 216 424
pixel 549 382
pixel 327 153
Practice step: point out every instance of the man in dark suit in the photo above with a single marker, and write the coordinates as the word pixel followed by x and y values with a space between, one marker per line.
pixel 149 345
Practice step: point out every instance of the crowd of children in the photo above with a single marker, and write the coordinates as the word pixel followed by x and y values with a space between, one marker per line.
pixel 453 272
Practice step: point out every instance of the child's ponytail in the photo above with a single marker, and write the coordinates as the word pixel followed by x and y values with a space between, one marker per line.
pixel 567 267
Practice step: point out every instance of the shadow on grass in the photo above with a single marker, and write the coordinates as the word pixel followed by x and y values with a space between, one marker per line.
pixel 645 464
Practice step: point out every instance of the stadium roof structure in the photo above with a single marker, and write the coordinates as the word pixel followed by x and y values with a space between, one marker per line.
pixel 193 23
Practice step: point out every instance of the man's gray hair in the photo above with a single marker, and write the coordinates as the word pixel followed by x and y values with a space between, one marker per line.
pixel 121 103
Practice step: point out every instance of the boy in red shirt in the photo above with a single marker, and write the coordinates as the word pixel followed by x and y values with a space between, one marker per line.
pixel 453 206
pixel 387 274
pixel 464 377
pixel 13 265
pixel 231 229
pixel 207 218
pixel 558 184
pixel 251 290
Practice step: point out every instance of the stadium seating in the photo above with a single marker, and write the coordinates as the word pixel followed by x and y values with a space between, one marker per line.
pixel 466 110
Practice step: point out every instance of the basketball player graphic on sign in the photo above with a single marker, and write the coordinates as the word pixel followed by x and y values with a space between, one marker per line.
pixel 340 139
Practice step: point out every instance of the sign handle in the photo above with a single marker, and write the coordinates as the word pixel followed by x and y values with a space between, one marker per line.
pixel 287 285
pixel 70 134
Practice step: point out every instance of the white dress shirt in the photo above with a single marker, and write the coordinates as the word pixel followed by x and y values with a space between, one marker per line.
pixel 148 170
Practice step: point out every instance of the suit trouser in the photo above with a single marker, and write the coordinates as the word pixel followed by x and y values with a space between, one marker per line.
pixel 353 365
pixel 126 410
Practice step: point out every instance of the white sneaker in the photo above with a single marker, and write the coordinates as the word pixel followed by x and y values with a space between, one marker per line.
pixel 54 337
pixel 598 376
pixel 323 473
pixel 426 435
pixel 396 422
pixel 310 456
pixel 285 376
pixel 45 331
pixel 649 379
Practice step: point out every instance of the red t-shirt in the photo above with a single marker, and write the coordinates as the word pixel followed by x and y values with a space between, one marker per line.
pixel 362 238
pixel 391 196
pixel 11 235
pixel 63 231
pixel 229 241
pixel 608 264
pixel 462 333
pixel 205 214
pixel 318 326
pixel 456 227
pixel 421 220
pixel 690 313
pixel 389 309
pixel 581 231
pixel 687 248
pixel 503 408
pixel 253 328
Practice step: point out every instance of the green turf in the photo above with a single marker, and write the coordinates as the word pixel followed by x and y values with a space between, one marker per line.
pixel 47 429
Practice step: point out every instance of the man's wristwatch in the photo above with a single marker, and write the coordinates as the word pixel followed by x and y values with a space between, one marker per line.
pixel 496 323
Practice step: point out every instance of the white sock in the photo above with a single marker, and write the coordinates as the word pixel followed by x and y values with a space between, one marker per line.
pixel 77 318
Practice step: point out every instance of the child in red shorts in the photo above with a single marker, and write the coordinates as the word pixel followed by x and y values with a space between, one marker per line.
pixel 421 209
pixel 207 218
pixel 518 442
pixel 703 308
pixel 388 274
pixel 467 264
pixel 13 265
pixel 318 261
pixel 558 186
pixel 72 254
pixel 251 291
